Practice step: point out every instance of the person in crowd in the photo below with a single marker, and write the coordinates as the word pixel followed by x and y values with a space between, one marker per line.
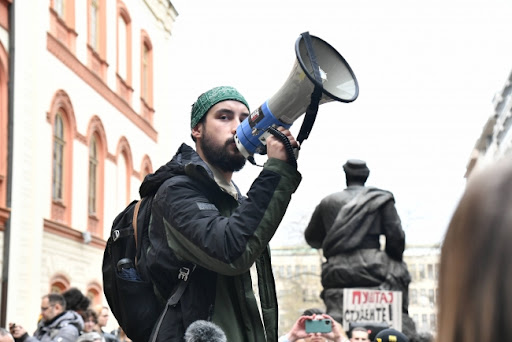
pixel 103 314
pixel 90 321
pixel 359 334
pixel 347 226
pixel 475 296
pixel 202 217
pixel 5 336
pixel 298 331
pixel 56 324
pixel 75 300
pixel 391 335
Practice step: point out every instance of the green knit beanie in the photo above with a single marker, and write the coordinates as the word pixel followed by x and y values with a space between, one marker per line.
pixel 210 98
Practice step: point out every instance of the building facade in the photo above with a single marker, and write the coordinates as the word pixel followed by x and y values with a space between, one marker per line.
pixel 495 141
pixel 80 107
pixel 423 265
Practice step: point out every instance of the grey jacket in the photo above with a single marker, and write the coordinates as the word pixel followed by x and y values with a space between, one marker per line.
pixel 64 328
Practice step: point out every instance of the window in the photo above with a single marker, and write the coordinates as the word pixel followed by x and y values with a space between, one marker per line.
pixel 124 57
pixel 94 29
pixel 96 173
pixel 430 271
pixel 146 78
pixel 96 37
pixel 422 271
pixel 93 176
pixel 59 283
pixel 62 120
pixel 433 322
pixel 59 8
pixel 124 173
pixel 58 156
pixel 414 296
pixel 431 297
pixel 122 48
pixel 62 22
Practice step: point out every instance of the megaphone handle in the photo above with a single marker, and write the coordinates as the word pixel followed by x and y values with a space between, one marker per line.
pixel 288 146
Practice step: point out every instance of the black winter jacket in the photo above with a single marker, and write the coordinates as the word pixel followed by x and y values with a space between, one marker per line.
pixel 196 222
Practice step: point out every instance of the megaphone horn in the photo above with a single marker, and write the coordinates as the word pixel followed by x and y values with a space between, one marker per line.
pixel 320 75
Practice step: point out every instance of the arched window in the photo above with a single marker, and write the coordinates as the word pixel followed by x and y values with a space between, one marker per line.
pixel 59 283
pixel 124 173
pixel 96 173
pixel 58 158
pixel 94 293
pixel 93 176
pixel 124 56
pixel 146 77
pixel 62 119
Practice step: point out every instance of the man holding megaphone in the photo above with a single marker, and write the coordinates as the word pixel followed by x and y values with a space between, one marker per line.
pixel 207 222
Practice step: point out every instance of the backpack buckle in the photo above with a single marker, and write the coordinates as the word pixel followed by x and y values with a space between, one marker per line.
pixel 184 272
pixel 115 234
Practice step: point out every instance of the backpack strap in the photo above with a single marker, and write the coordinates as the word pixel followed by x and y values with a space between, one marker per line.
pixel 134 220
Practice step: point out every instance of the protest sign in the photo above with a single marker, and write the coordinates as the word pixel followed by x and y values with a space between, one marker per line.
pixel 372 306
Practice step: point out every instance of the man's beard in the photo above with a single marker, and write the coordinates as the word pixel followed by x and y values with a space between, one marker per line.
pixel 219 156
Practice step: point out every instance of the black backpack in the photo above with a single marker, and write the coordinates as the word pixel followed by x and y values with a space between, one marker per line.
pixel 126 281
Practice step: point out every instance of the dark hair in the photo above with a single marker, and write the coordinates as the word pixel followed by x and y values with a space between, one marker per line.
pixel 312 311
pixel 75 300
pixel 475 297
pixel 55 298
pixel 90 313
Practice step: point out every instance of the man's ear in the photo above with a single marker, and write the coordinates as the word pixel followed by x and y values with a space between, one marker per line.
pixel 197 131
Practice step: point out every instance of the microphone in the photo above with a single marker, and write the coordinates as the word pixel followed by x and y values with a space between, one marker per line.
pixel 204 331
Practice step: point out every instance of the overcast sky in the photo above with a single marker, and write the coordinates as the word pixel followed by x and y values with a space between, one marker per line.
pixel 427 72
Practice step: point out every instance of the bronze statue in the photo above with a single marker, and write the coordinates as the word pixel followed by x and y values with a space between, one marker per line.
pixel 347 226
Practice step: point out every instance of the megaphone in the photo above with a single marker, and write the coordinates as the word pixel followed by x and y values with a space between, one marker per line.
pixel 320 75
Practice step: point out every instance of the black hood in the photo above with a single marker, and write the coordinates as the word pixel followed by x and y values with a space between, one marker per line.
pixel 185 155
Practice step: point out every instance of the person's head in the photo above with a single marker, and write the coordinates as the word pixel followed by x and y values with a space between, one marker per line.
pixel 5 336
pixel 215 117
pixel 356 172
pixel 103 315
pixel 75 300
pixel 475 296
pixel 311 312
pixel 391 335
pixel 90 320
pixel 52 305
pixel 359 334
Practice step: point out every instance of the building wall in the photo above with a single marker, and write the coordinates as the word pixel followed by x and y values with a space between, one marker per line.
pixel 298 285
pixel 423 265
pixel 495 140
pixel 54 69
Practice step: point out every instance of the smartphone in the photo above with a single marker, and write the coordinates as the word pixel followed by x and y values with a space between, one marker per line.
pixel 318 326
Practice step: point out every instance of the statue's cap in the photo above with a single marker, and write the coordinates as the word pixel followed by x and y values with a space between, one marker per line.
pixel 356 167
